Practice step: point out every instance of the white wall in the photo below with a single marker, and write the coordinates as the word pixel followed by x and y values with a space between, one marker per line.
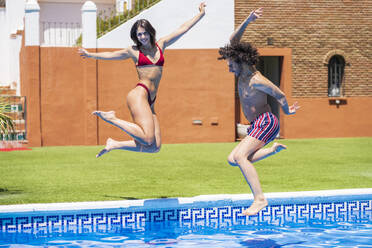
pixel 15 13
pixel 11 19
pixel 14 62
pixel 4 51
pixel 212 31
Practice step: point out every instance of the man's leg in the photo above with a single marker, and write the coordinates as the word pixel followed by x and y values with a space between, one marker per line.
pixel 258 155
pixel 266 152
pixel 248 146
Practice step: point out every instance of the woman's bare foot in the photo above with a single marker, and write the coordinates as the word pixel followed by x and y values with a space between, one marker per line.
pixel 256 207
pixel 109 146
pixel 106 116
pixel 277 147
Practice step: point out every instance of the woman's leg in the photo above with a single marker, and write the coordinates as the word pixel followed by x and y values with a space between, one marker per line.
pixel 143 128
pixel 130 145
pixel 133 145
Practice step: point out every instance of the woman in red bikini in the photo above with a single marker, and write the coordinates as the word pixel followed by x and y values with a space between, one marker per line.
pixel 147 54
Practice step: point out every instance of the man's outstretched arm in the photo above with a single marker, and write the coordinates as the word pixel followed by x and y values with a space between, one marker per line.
pixel 238 33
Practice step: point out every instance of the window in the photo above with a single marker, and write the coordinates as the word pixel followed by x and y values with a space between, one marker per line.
pixel 336 67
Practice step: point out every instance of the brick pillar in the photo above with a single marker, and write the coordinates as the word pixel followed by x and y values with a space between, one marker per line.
pixel 30 80
pixel 30 74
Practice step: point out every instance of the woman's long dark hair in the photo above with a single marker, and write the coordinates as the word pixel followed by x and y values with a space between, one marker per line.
pixel 149 29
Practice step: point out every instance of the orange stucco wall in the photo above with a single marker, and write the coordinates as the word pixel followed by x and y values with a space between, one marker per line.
pixel 320 117
pixel 62 90
pixel 67 96
pixel 195 86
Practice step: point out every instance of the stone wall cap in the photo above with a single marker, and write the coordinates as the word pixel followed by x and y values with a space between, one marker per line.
pixel 89 6
pixel 32 5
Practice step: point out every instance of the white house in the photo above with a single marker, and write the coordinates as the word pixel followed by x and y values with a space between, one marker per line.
pixel 59 23
pixel 11 26
pixel 60 20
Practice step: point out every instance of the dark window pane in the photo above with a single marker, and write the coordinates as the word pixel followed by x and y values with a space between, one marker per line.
pixel 336 67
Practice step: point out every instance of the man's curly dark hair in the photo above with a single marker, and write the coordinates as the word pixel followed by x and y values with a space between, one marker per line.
pixel 240 52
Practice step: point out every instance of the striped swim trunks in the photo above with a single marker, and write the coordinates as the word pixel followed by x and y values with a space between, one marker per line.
pixel 265 127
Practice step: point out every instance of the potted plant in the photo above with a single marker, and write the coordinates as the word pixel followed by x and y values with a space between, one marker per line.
pixel 6 122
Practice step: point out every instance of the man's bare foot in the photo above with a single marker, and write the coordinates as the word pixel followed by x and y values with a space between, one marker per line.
pixel 109 146
pixel 106 116
pixel 277 147
pixel 256 207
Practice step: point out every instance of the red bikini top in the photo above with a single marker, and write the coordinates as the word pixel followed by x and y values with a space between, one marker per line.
pixel 143 60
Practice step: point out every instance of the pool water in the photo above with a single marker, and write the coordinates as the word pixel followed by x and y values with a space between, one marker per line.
pixel 351 231
pixel 338 218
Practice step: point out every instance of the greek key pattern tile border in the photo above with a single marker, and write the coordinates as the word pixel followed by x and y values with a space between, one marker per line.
pixel 300 213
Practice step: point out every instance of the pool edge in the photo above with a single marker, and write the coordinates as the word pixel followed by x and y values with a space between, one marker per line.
pixel 273 198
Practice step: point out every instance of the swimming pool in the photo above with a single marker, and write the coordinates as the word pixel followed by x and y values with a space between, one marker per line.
pixel 340 218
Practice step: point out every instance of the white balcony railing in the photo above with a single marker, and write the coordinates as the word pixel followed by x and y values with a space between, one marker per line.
pixel 61 34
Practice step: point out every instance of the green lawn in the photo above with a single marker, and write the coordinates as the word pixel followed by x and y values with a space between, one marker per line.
pixel 65 174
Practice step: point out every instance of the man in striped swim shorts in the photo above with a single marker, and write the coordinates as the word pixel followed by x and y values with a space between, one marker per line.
pixel 253 90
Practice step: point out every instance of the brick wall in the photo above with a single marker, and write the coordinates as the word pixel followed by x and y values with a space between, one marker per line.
pixel 314 30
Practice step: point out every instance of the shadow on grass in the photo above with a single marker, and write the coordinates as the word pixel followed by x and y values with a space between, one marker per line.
pixel 121 197
pixel 4 191
pixel 128 197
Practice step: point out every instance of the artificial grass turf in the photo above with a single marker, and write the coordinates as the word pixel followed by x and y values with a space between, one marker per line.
pixel 66 174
